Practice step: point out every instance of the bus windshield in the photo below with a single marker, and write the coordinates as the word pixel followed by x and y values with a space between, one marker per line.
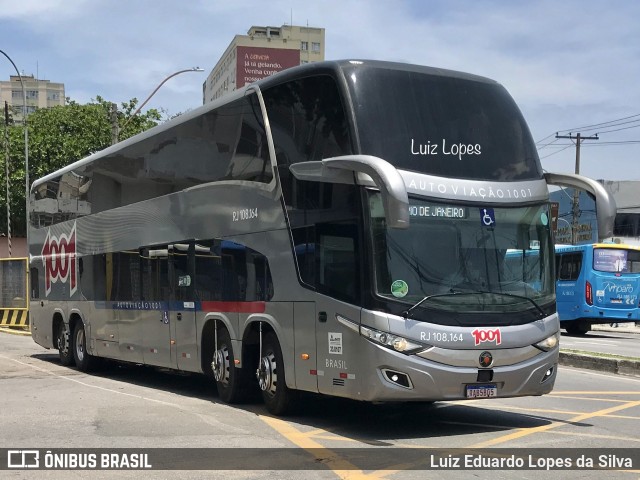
pixel 446 126
pixel 616 260
pixel 464 258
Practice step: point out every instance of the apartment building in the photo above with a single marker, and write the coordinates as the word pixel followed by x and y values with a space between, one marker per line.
pixel 263 51
pixel 40 94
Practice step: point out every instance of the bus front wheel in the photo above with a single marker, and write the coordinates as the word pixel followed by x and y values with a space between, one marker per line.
pixel 278 398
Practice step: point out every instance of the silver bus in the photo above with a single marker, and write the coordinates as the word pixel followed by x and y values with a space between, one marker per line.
pixel 338 228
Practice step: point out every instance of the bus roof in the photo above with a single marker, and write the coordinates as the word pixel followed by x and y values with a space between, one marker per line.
pixel 586 246
pixel 338 68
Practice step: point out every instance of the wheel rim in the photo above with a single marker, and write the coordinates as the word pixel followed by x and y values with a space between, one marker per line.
pixel 63 340
pixel 267 374
pixel 80 344
pixel 220 365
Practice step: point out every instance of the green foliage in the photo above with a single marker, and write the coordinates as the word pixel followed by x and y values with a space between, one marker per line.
pixel 59 136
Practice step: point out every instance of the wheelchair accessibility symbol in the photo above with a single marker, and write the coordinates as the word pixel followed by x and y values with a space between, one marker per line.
pixel 488 217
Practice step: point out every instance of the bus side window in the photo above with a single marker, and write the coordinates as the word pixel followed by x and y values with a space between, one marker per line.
pixel 35 285
pixel 337 262
pixel 570 266
pixel 229 271
pixel 208 272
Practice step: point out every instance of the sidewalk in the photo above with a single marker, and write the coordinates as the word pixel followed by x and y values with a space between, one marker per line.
pixel 15 331
pixel 605 363
pixel 629 327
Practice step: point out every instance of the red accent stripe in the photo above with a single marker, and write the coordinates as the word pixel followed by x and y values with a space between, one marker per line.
pixel 239 307
pixel 313 372
pixel 343 375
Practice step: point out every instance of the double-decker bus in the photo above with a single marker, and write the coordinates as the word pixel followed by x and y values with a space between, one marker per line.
pixel 339 228
pixel 597 283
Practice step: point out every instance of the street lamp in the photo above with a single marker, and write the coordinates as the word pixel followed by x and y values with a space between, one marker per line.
pixel 192 69
pixel 26 144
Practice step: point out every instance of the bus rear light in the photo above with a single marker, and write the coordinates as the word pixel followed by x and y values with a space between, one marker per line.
pixel 588 293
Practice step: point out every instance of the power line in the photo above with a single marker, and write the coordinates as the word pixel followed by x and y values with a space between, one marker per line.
pixel 543 139
pixel 600 144
pixel 547 144
pixel 618 129
pixel 599 124
pixel 557 151
pixel 589 127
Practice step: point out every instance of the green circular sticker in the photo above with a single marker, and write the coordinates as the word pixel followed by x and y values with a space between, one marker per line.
pixel 544 219
pixel 399 288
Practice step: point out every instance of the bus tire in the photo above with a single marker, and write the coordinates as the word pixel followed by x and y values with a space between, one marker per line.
pixel 232 382
pixel 578 327
pixel 84 361
pixel 278 398
pixel 63 342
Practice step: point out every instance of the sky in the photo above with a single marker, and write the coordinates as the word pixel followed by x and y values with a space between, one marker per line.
pixel 571 66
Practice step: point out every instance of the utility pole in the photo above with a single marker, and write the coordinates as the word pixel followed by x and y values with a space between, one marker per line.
pixel 576 194
pixel 6 169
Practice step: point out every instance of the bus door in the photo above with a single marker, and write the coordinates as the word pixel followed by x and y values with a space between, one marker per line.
pixel 153 317
pixel 182 314
pixel 337 277
pixel 569 284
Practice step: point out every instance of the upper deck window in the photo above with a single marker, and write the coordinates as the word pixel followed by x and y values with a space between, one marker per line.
pixel 449 126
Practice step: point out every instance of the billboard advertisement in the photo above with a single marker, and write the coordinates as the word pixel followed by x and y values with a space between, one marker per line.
pixel 256 63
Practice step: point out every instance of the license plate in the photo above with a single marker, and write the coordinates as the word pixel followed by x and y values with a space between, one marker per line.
pixel 481 391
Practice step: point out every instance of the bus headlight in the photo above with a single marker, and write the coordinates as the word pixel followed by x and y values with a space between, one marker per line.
pixel 549 343
pixel 394 342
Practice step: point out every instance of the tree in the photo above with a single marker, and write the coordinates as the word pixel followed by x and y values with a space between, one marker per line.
pixel 59 136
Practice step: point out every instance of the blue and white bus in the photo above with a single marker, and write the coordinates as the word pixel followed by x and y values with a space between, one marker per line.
pixel 597 283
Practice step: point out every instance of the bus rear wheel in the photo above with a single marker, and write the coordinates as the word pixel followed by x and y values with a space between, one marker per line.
pixel 578 327
pixel 63 341
pixel 231 381
pixel 278 398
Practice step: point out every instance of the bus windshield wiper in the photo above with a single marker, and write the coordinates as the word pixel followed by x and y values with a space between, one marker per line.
pixel 406 313
pixel 512 295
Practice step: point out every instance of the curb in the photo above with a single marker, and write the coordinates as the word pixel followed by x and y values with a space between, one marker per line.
pixel 621 366
pixel 15 332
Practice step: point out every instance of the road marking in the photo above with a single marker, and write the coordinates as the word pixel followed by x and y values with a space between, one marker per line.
pixel 591 392
pixel 340 466
pixel 543 428
pixel 49 372
pixel 593 435
pixel 595 399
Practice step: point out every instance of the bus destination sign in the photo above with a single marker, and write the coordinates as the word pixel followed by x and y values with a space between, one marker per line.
pixel 437 211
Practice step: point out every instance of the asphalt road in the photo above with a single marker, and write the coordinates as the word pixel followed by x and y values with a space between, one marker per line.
pixel 46 405
pixel 611 341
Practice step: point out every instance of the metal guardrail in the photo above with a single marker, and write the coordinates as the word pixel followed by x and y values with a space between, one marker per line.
pixel 14 288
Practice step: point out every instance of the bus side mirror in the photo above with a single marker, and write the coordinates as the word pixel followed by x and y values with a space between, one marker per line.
pixel 384 176
pixel 605 203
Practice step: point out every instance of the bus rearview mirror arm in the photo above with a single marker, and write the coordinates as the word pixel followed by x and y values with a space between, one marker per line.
pixel 605 203
pixel 384 175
